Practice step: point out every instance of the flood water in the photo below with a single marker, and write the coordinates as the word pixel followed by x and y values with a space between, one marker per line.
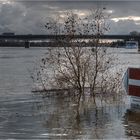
pixel 24 115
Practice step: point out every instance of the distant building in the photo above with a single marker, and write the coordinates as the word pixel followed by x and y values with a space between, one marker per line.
pixel 8 33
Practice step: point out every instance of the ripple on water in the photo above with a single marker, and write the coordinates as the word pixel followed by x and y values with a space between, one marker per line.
pixel 23 117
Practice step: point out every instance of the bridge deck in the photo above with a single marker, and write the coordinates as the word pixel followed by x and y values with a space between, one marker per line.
pixel 44 37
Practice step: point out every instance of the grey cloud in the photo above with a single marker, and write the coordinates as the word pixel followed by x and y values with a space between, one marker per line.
pixel 20 19
pixel 25 17
pixel 123 27
pixel 122 9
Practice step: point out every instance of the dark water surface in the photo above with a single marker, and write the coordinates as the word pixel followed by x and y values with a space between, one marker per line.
pixel 24 115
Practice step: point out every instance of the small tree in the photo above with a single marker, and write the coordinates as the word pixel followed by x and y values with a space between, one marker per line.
pixel 134 33
pixel 71 65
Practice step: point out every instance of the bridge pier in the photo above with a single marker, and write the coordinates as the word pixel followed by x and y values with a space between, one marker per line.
pixel 27 44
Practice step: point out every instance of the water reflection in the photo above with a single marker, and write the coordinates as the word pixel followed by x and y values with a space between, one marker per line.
pixel 132 123
pixel 64 119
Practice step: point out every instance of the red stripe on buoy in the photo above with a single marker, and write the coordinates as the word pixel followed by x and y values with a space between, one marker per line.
pixel 134 73
pixel 134 90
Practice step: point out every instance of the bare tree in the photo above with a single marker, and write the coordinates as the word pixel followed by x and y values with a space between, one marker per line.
pixel 70 65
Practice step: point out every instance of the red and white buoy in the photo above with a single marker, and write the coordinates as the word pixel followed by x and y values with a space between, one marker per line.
pixel 132 85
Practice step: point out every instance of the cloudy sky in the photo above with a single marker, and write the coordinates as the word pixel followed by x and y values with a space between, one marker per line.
pixel 30 16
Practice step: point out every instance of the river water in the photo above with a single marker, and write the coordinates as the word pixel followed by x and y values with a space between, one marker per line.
pixel 24 115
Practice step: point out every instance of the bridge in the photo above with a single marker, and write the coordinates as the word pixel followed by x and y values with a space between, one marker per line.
pixel 28 38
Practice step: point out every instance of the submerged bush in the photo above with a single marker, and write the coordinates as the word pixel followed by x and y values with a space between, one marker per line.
pixel 71 65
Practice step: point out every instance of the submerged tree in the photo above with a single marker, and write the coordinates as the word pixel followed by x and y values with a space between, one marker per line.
pixel 75 64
